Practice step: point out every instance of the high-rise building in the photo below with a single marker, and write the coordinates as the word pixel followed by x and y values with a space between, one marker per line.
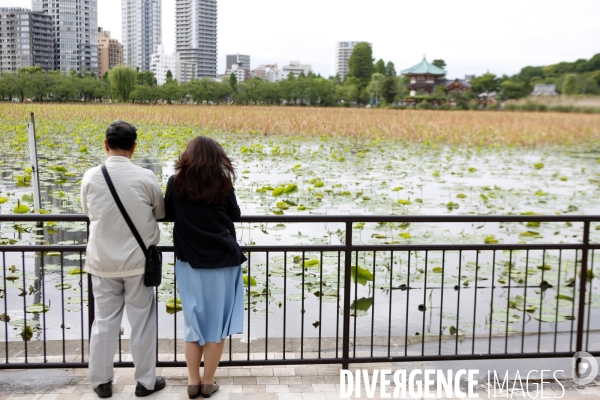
pixel 110 52
pixel 142 33
pixel 196 35
pixel 25 39
pixel 233 59
pixel 343 51
pixel 162 63
pixel 75 38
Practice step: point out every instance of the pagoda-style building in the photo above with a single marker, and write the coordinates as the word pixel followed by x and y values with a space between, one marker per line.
pixel 424 77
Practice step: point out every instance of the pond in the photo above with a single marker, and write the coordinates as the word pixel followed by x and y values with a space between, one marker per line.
pixel 301 175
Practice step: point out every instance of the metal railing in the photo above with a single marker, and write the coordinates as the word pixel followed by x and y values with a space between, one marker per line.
pixel 465 301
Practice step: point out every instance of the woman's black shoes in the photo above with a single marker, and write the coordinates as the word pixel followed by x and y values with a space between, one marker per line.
pixel 208 390
pixel 193 391
pixel 141 391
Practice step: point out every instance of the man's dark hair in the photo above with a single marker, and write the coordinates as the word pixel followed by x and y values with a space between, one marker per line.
pixel 121 135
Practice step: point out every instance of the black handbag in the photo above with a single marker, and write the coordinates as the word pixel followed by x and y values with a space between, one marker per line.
pixel 153 271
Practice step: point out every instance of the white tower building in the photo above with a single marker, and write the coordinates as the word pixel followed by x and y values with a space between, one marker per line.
pixel 343 51
pixel 141 31
pixel 196 35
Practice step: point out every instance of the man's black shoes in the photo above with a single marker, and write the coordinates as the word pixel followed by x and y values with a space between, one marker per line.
pixel 141 391
pixel 104 390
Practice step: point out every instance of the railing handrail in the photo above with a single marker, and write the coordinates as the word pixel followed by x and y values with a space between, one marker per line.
pixel 340 218
pixel 348 249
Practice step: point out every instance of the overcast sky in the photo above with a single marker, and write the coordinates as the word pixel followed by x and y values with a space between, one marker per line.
pixel 472 36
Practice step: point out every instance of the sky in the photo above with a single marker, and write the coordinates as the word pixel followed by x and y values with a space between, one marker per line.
pixel 472 36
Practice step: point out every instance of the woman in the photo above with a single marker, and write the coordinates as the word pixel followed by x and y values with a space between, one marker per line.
pixel 200 199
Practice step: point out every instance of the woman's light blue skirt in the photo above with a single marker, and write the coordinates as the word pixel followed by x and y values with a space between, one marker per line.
pixel 212 300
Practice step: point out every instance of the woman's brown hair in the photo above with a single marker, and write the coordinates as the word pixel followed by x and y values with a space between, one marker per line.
pixel 204 172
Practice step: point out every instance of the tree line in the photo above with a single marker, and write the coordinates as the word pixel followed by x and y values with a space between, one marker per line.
pixel 578 77
pixel 368 81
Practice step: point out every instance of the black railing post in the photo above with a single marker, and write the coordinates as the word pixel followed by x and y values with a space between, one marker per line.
pixel 347 292
pixel 583 278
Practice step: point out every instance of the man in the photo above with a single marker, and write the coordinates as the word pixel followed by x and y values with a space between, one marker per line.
pixel 116 262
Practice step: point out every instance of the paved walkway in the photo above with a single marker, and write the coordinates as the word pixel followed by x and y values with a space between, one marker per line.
pixel 247 383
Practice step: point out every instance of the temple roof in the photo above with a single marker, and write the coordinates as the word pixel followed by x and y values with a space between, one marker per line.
pixel 424 68
pixel 461 82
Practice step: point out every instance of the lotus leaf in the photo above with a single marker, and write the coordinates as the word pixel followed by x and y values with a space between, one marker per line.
pixel 36 308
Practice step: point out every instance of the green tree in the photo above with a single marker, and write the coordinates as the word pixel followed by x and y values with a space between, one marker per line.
pixel 21 84
pixel 528 73
pixel 101 89
pixel 146 78
pixel 171 91
pixel 571 85
pixel 514 90
pixel 32 82
pixel 462 100
pixel 169 76
pixel 6 86
pixel 347 93
pixel 233 81
pixel 380 67
pixel 485 83
pixel 390 69
pixel 588 84
pixel 375 86
pixel 63 88
pixel 322 92
pixel 594 63
pixel 31 70
pixel 401 89
pixel 40 85
pixel 389 89
pixel 595 76
pixel 439 63
pixel 122 81
pixel 146 93
pixel 360 65
pixel 439 93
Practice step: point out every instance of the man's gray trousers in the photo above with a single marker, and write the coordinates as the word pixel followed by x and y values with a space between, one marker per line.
pixel 111 296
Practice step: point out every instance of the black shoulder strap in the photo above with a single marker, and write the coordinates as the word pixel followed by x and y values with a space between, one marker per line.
pixel 113 191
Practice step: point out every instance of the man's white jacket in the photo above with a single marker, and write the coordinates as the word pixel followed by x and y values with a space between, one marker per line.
pixel 112 250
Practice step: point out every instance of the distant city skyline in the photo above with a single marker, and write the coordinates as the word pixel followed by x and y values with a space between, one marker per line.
pixel 500 37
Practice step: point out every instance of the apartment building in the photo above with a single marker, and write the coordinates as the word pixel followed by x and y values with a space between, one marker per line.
pixel 196 35
pixel 162 63
pixel 141 31
pixel 185 70
pixel 110 52
pixel 262 71
pixel 74 29
pixel 25 39
pixel 235 59
pixel 295 68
